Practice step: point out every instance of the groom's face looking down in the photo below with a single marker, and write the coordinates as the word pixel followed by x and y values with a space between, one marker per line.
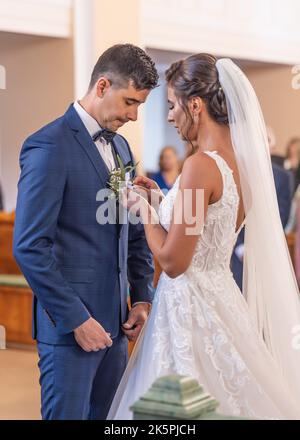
pixel 117 105
pixel 121 81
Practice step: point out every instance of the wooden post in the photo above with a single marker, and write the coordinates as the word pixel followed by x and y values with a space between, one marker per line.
pixel 2 338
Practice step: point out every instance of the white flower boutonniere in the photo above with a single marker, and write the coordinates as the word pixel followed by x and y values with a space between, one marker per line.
pixel 120 177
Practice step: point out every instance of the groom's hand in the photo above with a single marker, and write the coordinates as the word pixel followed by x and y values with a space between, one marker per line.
pixel 136 319
pixel 91 336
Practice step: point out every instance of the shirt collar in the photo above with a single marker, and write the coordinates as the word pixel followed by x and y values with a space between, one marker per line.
pixel 89 122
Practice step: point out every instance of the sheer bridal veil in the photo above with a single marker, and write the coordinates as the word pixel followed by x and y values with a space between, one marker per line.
pixel 269 283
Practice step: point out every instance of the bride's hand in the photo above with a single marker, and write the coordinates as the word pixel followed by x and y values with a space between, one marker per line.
pixel 131 197
pixel 146 183
pixel 149 190
pixel 138 205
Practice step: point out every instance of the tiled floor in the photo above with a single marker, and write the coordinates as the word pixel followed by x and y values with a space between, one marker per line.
pixel 19 385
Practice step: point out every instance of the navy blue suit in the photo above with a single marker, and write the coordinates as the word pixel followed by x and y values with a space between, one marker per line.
pixel 76 267
pixel 284 191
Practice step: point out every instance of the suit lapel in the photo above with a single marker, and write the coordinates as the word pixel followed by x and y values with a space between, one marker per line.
pixel 117 150
pixel 94 155
pixel 120 211
pixel 84 139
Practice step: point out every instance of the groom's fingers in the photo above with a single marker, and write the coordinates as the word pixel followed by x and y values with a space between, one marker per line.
pixel 133 333
pixel 128 325
pixel 130 322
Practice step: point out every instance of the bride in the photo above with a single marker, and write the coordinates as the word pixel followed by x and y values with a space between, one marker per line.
pixel 240 348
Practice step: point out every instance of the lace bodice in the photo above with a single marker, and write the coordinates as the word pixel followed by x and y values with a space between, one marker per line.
pixel 216 242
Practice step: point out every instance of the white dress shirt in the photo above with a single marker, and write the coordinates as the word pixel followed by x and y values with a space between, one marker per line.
pixel 92 127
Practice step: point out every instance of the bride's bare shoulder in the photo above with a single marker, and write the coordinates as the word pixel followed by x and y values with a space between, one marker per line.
pixel 199 169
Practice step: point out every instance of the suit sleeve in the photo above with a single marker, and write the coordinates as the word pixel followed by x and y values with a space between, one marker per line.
pixel 140 266
pixel 40 196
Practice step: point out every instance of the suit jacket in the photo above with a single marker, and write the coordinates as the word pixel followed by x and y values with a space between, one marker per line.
pixel 76 267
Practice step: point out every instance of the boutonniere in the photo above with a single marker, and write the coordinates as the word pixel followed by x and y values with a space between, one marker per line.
pixel 120 177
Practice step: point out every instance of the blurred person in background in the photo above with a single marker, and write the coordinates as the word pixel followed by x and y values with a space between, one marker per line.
pixel 284 191
pixel 168 168
pixel 292 160
pixel 292 163
pixel 276 157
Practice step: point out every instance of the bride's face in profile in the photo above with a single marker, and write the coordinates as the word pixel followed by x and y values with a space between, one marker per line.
pixel 181 118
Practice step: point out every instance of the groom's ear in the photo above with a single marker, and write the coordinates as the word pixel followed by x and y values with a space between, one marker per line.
pixel 103 85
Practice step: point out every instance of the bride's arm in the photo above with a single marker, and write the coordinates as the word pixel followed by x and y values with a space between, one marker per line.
pixel 174 250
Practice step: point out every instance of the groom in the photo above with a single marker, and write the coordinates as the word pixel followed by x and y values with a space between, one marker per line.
pixel 77 268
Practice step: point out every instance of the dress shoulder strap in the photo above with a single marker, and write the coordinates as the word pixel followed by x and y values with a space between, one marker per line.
pixel 225 170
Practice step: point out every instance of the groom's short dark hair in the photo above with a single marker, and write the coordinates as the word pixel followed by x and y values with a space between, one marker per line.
pixel 124 62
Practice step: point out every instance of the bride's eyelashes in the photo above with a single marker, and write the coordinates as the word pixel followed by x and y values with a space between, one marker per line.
pixel 170 105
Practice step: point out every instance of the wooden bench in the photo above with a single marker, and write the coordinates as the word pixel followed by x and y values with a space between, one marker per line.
pixel 8 264
pixel 15 308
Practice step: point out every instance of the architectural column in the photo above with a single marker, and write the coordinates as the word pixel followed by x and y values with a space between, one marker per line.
pixel 83 37
pixel 99 24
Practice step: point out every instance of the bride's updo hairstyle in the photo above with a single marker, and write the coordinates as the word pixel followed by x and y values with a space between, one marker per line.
pixel 197 75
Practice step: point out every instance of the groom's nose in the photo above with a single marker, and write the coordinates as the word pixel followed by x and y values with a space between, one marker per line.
pixel 132 115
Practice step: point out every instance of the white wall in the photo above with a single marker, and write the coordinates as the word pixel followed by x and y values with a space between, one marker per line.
pixel 39 88
pixel 280 101
pixel 50 18
pixel 263 30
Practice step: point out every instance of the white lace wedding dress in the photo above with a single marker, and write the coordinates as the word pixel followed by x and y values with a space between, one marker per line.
pixel 200 326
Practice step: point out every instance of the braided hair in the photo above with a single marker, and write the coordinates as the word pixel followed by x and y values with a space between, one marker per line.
pixel 197 75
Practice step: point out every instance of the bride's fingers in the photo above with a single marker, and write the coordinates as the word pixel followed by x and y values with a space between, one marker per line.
pixel 143 181
pixel 139 180
pixel 141 190
pixel 129 198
